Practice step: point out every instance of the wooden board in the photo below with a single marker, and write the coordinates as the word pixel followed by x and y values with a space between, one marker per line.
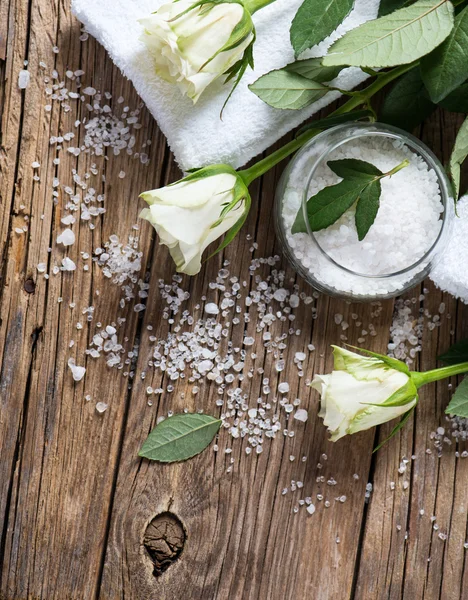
pixel 76 501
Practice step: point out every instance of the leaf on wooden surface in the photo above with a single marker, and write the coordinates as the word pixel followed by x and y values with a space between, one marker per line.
pixel 398 38
pixel 367 208
pixel 457 101
pixel 456 354
pixel 286 90
pixel 315 20
pixel 407 104
pixel 459 154
pixel 446 67
pixel 458 405
pixel 180 437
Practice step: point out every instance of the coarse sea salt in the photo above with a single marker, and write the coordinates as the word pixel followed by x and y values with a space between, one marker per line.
pixel 23 79
pixel 77 372
pixel 406 226
pixel 67 237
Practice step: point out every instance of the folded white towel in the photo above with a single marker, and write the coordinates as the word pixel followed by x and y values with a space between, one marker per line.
pixel 195 134
pixel 451 273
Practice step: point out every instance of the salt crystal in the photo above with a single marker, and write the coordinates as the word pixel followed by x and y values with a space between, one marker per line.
pixel 280 295
pixel 211 308
pixel 311 509
pixel 35 164
pixel 67 237
pixel 283 388
pixel 23 79
pixel 77 372
pixel 101 407
pixel 41 267
pixel 294 300
pixel 68 264
pixel 301 415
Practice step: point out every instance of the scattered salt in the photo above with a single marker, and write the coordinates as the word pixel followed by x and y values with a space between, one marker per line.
pixel 67 238
pixel 23 79
pixel 77 372
pixel 301 415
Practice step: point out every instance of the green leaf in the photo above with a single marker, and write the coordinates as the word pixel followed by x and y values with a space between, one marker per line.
pixel 392 363
pixel 459 154
pixel 404 395
pixel 315 20
pixel 456 354
pixel 404 419
pixel 354 169
pixel 281 89
pixel 328 205
pixel 180 437
pixel 457 101
pixel 458 405
pixel 407 104
pixel 388 6
pixel 312 68
pixel 446 67
pixel 232 233
pixel 336 120
pixel 396 39
pixel 367 208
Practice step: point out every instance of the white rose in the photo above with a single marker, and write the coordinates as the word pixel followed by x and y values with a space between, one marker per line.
pixel 191 214
pixel 193 44
pixel 353 394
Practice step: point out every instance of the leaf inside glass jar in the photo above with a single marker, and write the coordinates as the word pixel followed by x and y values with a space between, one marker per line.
pixel 360 185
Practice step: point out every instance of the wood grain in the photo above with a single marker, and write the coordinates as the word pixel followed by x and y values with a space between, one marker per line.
pixel 75 500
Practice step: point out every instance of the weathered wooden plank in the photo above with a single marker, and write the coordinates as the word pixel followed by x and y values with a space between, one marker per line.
pixel 58 455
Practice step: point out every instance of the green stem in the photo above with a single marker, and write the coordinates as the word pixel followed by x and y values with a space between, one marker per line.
pixel 437 374
pixel 264 165
pixel 382 80
pixel 253 5
pixel 399 167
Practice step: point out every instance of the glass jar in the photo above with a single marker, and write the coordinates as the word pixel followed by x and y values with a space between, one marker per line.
pixel 315 265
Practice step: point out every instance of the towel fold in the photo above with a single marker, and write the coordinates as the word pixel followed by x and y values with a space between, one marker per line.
pixel 451 273
pixel 195 133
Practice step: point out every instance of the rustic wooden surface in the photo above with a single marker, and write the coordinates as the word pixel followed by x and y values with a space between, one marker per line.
pixel 75 501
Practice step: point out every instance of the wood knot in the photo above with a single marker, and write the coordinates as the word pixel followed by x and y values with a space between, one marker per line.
pixel 29 286
pixel 164 541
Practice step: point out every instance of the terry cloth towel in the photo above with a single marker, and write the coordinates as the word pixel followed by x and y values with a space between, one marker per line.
pixel 195 133
pixel 451 272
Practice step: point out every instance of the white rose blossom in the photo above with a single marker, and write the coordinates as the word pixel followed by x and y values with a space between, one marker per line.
pixel 363 391
pixel 195 42
pixel 191 214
